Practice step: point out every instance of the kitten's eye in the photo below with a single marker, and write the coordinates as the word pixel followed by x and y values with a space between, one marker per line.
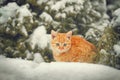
pixel 57 44
pixel 64 44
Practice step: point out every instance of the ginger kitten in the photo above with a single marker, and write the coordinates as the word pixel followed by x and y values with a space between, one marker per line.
pixel 68 48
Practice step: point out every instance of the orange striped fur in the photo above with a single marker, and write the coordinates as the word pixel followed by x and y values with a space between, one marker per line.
pixel 68 48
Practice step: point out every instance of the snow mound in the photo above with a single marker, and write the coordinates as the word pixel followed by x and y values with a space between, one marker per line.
pixel 38 58
pixel 18 69
pixel 46 17
pixel 39 38
pixel 8 11
pixel 24 12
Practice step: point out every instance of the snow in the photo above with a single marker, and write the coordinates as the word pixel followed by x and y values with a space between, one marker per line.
pixel 59 5
pixel 95 13
pixel 39 38
pixel 51 2
pixel 69 9
pixel 103 51
pixel 8 11
pixel 29 55
pixel 90 33
pixel 78 8
pixel 76 1
pixel 18 69
pixel 116 48
pixel 38 58
pixel 41 1
pixel 24 31
pixel 24 12
pixel 100 25
pixel 62 4
pixel 116 18
pixel 116 12
pixel 60 15
pixel 46 17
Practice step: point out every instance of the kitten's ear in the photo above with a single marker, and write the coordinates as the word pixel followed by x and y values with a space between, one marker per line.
pixel 53 34
pixel 69 34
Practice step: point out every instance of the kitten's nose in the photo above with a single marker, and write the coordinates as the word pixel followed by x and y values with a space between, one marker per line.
pixel 61 48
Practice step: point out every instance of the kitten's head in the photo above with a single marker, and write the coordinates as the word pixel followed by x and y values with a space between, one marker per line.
pixel 61 42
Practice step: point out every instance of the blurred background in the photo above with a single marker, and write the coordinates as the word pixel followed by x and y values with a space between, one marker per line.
pixel 25 27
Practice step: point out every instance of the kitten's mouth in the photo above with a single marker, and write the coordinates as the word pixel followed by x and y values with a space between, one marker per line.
pixel 61 51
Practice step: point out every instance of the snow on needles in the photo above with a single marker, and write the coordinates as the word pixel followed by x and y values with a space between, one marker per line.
pixel 60 15
pixel 46 17
pixel 62 4
pixel 8 11
pixel 116 17
pixel 39 38
pixel 12 9
pixel 41 1
pixel 18 69
pixel 58 5
pixel 24 31
pixel 24 12
pixel 116 48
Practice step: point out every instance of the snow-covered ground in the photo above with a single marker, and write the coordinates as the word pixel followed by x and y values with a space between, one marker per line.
pixel 18 69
